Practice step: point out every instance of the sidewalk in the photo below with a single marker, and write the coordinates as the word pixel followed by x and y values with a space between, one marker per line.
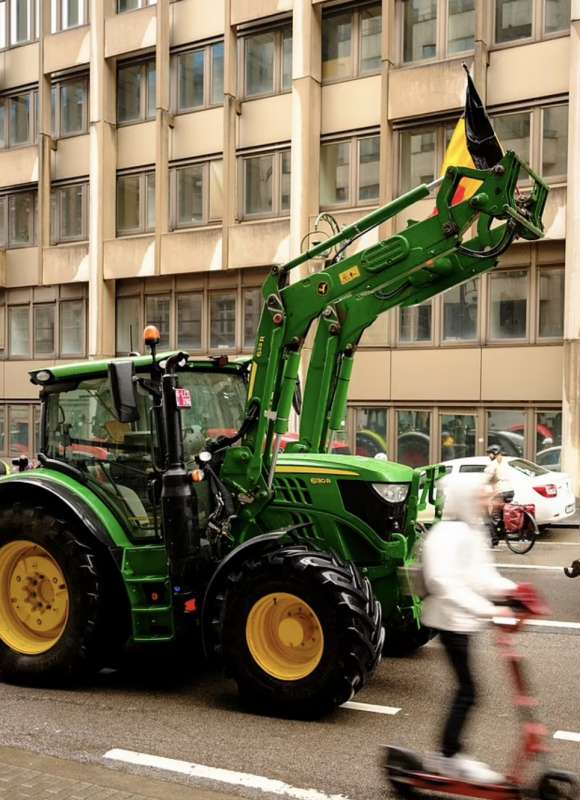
pixel 27 776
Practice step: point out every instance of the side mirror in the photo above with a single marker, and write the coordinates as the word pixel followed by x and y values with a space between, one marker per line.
pixel 123 391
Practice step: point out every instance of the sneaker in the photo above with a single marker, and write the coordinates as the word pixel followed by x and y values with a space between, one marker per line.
pixel 464 768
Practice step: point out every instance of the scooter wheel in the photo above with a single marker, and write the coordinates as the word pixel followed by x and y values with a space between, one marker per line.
pixel 555 785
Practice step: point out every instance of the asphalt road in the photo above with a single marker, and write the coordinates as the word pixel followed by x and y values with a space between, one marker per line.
pixel 199 719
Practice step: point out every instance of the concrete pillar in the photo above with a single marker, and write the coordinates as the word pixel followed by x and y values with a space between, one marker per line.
pixel 571 359
pixel 102 184
pixel 162 121
pixel 231 110
pixel 306 112
pixel 44 140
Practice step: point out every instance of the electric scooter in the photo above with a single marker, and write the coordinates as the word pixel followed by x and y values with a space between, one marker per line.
pixel 409 775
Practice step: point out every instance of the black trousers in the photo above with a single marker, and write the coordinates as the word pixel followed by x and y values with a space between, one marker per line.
pixel 457 649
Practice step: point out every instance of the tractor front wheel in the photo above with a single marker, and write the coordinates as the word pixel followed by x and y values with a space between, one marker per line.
pixel 53 625
pixel 301 631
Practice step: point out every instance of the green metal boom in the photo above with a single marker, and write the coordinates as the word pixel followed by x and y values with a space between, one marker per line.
pixel 347 296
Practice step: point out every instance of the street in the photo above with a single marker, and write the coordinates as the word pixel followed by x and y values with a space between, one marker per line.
pixel 200 721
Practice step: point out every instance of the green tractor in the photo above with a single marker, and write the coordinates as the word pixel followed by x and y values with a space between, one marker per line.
pixel 164 512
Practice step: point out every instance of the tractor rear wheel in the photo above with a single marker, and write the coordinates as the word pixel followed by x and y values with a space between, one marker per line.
pixel 53 620
pixel 301 631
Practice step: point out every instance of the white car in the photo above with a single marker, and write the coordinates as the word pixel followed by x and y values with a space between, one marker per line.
pixel 550 492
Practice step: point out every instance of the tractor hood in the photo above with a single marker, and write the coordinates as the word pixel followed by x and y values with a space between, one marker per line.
pixel 359 468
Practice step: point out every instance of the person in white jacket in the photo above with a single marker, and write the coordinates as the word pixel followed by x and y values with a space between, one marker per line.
pixel 461 583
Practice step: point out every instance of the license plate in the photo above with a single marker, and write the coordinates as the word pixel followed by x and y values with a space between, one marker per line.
pixel 570 508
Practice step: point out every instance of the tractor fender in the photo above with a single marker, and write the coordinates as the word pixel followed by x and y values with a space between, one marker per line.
pixel 257 545
pixel 36 489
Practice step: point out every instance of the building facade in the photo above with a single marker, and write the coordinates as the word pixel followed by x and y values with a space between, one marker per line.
pixel 156 159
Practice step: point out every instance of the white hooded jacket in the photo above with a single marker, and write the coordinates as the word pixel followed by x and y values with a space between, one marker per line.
pixel 459 574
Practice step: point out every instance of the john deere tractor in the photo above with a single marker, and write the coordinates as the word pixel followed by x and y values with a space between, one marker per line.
pixel 163 510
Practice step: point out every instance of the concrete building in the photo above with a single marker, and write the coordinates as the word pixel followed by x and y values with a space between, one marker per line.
pixel 157 158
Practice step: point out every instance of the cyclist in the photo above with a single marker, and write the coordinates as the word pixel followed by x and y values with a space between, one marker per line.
pixel 500 483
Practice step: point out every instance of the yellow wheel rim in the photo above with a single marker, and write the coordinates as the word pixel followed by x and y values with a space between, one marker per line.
pixel 284 636
pixel 34 598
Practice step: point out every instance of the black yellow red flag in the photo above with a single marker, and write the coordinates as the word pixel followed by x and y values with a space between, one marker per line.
pixel 473 143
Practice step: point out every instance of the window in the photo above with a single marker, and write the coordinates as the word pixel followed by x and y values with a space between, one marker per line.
pixel 526 19
pixel 551 300
pixel 189 320
pixel 70 107
pixel 415 323
pixel 507 429
pixel 349 172
pixel 371 430
pixel 267 58
pixel 18 22
pixel 19 430
pixel 513 131
pixel 458 436
pixel 135 203
pixel 549 439
pixel 197 194
pixel 157 312
pixel 419 158
pixel 508 304
pixel 69 221
pixel 436 29
pixel 17 119
pixel 47 329
pixel 67 14
pixel 18 219
pixel 129 325
pixel 200 77
pixel 413 438
pixel 351 43
pixel 222 321
pixel 460 312
pixel 136 92
pixel 132 5
pixel 555 141
pixel 252 299
pixel 266 184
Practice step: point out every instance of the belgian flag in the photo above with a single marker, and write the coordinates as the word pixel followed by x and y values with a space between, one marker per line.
pixel 473 143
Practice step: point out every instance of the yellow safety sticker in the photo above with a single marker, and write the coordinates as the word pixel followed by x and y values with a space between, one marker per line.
pixel 349 275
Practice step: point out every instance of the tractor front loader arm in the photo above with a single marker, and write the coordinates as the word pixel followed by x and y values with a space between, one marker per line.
pixel 414 262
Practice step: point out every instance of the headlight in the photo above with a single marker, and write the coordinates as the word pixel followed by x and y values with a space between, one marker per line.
pixel 392 492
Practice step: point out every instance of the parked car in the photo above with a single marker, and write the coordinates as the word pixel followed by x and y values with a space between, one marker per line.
pixel 550 458
pixel 550 491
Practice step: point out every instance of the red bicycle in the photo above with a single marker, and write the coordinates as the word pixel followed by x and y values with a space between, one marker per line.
pixel 513 523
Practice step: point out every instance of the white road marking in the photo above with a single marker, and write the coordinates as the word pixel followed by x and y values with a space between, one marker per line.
pixel 221 775
pixel 553 623
pixel 568 736
pixel 371 707
pixel 530 566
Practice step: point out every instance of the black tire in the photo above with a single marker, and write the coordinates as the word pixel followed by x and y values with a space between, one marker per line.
pixel 523 541
pixel 348 615
pixel 403 636
pixel 557 785
pixel 89 631
pixel 403 790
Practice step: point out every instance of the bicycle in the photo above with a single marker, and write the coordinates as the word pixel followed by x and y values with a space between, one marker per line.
pixel 514 523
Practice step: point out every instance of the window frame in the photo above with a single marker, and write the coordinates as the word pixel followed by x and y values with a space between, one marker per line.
pixel 277 211
pixel 539 269
pixel 354 172
pixel 57 85
pixel 32 118
pixel 441 36
pixel 33 25
pixel 356 42
pixel 415 344
pixel 144 64
pixel 538 33
pixel 56 303
pixel 207 219
pixel 5 203
pixel 278 67
pixel 142 4
pixel 143 228
pixel 56 235
pixel 57 16
pixel 208 77
pixel 530 306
